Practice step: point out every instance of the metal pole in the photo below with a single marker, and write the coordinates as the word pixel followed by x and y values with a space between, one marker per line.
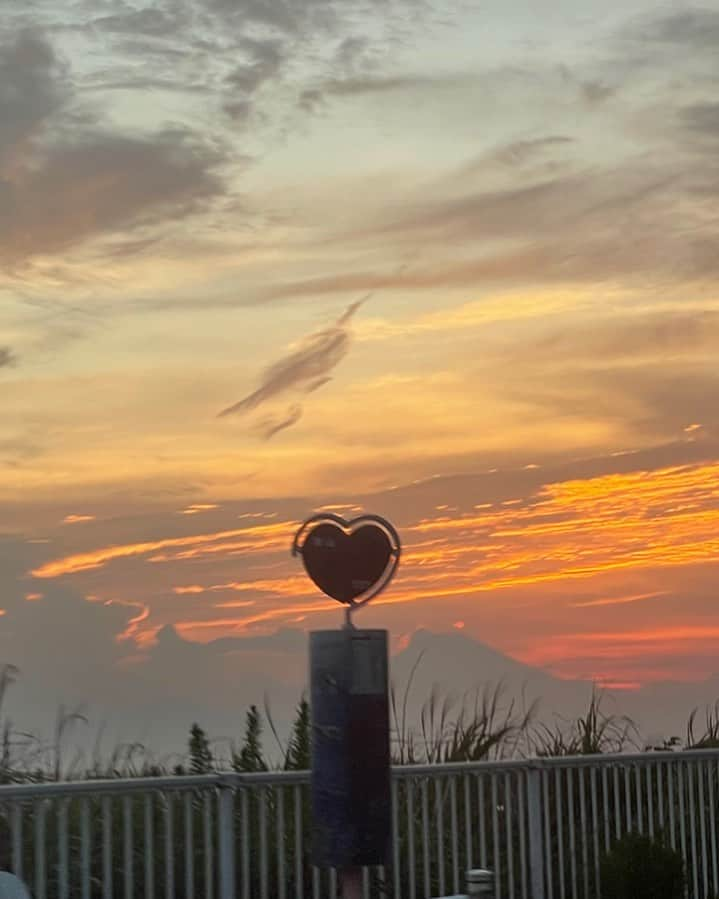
pixel 226 841
pixel 536 842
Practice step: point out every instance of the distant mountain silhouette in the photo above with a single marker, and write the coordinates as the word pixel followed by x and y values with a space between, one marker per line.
pixel 156 698
pixel 455 662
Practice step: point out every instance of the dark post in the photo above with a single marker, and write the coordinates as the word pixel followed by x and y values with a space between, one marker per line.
pixel 351 789
pixel 351 793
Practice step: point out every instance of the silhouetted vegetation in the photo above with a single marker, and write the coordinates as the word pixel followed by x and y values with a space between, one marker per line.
pixel 594 733
pixel 709 739
pixel 640 867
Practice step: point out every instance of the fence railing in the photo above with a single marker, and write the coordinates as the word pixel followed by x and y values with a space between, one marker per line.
pixel 541 825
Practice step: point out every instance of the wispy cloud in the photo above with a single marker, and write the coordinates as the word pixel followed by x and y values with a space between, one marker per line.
pixel 258 538
pixel 305 369
pixel 7 357
pixel 618 600
pixel 270 426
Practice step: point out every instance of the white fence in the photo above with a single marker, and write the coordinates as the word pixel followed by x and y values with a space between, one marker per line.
pixel 541 825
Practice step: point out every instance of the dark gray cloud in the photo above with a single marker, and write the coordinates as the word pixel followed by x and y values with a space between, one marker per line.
pixel 102 184
pixel 596 92
pixel 264 60
pixel 272 425
pixel 664 334
pixel 7 357
pixel 551 204
pixel 305 368
pixel 373 84
pixel 306 29
pixel 65 179
pixel 517 153
pixel 553 218
pixel 702 118
pixel 33 87
pixel 152 21
pixel 295 17
pixel 362 83
pixel 696 28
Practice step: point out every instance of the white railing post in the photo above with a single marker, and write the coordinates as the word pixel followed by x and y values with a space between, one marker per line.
pixel 536 835
pixel 226 842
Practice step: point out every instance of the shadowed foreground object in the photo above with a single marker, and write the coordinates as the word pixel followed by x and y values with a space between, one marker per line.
pixel 351 798
pixel 351 561
pixel 346 565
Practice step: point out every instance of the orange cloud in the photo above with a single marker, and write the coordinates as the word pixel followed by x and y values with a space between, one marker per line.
pixel 563 532
pixel 618 600
pixel 290 586
pixel 196 508
pixel 255 539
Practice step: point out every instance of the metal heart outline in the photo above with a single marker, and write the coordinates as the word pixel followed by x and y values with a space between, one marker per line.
pixel 348 528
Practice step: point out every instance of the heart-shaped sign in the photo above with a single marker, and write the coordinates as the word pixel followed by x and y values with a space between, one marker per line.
pixel 351 561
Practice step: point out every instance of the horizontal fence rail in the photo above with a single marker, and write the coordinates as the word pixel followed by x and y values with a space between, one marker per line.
pixel 541 825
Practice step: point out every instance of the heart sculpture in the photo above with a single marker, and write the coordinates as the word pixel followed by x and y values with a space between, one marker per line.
pixel 348 559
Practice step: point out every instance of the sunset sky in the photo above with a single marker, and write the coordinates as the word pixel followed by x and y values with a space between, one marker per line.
pixel 454 263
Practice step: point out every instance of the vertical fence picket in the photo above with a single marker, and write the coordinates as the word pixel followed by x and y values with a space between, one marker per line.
pixel 468 829
pixel 714 839
pixel 650 800
pixel 40 809
pixel 583 828
pixel 560 827
pixel 298 847
pixel 439 802
pixel 569 774
pixel 595 827
pixel 507 807
pixel 411 864
pixel 548 859
pixel 682 811
pixel 107 867
pixel 692 827
pixel 149 845
pixel 169 845
pixel 702 826
pixel 188 801
pixel 426 858
pixel 127 839
pixel 495 838
pixel 640 804
pixel 208 849
pixel 85 850
pixel 670 803
pixel 521 785
pixel 482 821
pixel 454 832
pixel 17 839
pixel 280 838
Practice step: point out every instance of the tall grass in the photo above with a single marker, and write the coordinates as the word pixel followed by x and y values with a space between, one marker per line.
pixel 595 732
